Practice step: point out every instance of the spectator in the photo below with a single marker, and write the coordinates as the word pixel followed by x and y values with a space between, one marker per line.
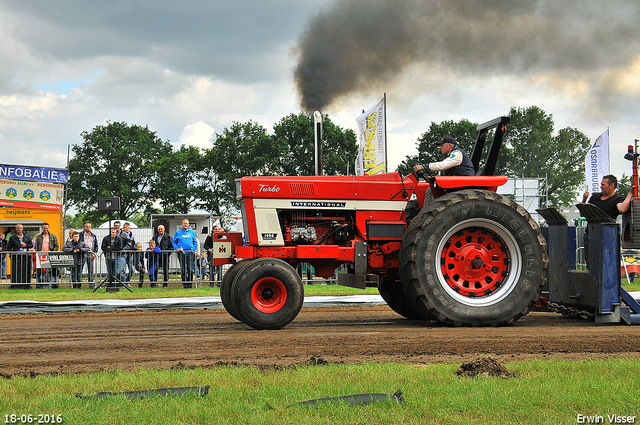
pixel 153 255
pixel 46 242
pixel 3 255
pixel 21 265
pixel 78 249
pixel 70 238
pixel 163 241
pixel 185 243
pixel 111 246
pixel 138 262
pixel 216 271
pixel 121 261
pixel 608 200
pixel 128 245
pixel 208 248
pixel 203 264
pixel 195 263
pixel 91 240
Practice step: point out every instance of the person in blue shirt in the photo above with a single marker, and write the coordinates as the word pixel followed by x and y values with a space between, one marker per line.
pixel 185 243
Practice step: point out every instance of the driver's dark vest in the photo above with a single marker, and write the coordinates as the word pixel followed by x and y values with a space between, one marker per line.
pixel 464 169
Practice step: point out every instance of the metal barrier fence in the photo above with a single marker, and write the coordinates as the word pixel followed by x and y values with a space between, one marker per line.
pixel 130 267
pixel 108 268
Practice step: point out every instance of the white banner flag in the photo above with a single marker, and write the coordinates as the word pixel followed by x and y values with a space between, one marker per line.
pixel 597 162
pixel 372 134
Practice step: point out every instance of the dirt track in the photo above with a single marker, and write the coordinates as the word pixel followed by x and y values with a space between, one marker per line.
pixel 90 341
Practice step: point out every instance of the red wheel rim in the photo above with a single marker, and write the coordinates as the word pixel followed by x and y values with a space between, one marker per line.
pixel 268 295
pixel 474 262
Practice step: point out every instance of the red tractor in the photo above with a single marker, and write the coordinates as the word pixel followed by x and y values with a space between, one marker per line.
pixel 469 257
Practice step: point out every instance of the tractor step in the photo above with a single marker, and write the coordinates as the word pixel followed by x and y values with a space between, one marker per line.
pixel 360 281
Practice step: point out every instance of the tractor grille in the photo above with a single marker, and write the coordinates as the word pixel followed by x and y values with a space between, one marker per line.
pixel 303 189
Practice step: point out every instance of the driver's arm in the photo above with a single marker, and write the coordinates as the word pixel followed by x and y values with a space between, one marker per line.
pixel 624 206
pixel 455 158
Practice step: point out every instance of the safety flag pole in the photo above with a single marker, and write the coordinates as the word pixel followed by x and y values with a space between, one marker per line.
pixel 385 133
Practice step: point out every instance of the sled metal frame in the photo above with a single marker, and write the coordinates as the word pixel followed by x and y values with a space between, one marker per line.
pixel 597 290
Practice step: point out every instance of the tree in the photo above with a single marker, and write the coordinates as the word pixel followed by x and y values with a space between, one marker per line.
pixel 143 218
pixel 77 221
pixel 531 150
pixel 244 149
pixel 74 221
pixel 340 148
pixel 116 159
pixel 177 188
pixel 294 137
pixel 625 184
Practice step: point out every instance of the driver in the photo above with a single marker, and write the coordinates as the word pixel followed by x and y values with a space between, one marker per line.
pixel 457 162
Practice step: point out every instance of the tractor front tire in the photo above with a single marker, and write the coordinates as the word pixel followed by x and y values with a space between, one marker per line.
pixel 268 293
pixel 226 288
pixel 473 258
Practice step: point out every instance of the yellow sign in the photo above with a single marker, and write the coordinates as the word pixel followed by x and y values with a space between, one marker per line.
pixel 371 165
pixel 17 213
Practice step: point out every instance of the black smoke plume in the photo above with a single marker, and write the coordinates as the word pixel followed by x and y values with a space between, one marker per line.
pixel 352 46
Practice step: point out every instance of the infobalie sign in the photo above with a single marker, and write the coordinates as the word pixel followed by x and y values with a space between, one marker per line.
pixel 40 174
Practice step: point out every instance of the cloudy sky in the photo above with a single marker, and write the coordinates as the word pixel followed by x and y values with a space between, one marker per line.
pixel 188 69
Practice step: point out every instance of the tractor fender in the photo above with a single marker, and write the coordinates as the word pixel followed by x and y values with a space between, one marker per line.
pixel 465 182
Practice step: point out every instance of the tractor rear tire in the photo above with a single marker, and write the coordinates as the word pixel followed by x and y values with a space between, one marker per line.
pixel 473 258
pixel 391 291
pixel 226 288
pixel 268 294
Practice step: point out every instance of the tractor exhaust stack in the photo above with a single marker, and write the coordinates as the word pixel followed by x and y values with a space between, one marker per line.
pixel 317 132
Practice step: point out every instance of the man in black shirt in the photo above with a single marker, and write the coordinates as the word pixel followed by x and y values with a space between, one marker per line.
pixel 111 247
pixel 608 200
pixel 164 242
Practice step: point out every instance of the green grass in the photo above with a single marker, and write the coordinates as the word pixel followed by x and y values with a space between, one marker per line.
pixel 542 392
pixel 631 286
pixel 175 290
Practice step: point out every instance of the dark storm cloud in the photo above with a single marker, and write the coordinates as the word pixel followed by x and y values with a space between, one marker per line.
pixel 356 45
pixel 229 39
